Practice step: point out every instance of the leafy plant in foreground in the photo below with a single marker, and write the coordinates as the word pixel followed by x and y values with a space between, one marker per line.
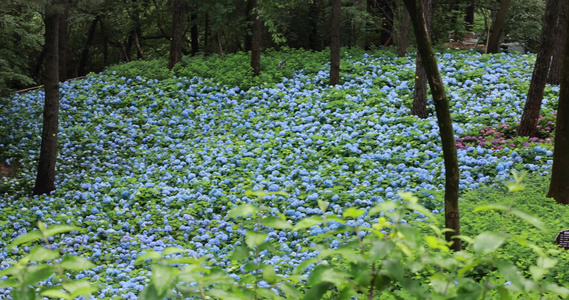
pixel 41 263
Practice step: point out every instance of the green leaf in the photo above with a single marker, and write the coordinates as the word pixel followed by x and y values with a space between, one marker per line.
pixel 307 223
pixel 382 207
pixel 323 205
pixel 148 255
pixel 148 293
pixel 559 290
pixel 394 268
pixel 76 263
pixel 172 250
pixel 504 293
pixel 57 229
pixel 269 274
pixel 290 291
pixel 23 293
pixel 380 249
pixel 55 292
pixel 13 270
pixel 37 273
pixel 352 212
pixel 242 210
pixel 39 254
pixel 491 207
pixel 79 288
pixel 276 222
pixel 8 283
pixel 317 291
pixel 28 237
pixel 535 221
pixel 423 210
pixel 240 253
pixel 253 239
pixel 162 277
pixel 487 242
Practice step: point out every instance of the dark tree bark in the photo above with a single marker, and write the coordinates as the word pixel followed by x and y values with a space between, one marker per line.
pixel 420 91
pixel 45 180
pixel 85 53
pixel 494 42
pixel 335 42
pixel 469 14
pixel 403 34
pixel 63 41
pixel 314 37
pixel 206 35
pixel 532 107
pixel 560 36
pixel 178 12
pixel 452 220
pixel 386 36
pixel 249 21
pixel 559 185
pixel 256 41
pixel 194 34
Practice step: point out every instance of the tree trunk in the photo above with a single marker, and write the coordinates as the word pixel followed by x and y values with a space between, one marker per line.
pixel 559 185
pixel 420 91
pixel 63 41
pixel 452 220
pixel 206 35
pixel 494 42
pixel 194 34
pixel 335 42
pixel 403 35
pixel 256 42
pixel 85 53
pixel 359 25
pixel 469 15
pixel 45 181
pixel 249 21
pixel 532 107
pixel 314 37
pixel 386 37
pixel 178 12
pixel 561 35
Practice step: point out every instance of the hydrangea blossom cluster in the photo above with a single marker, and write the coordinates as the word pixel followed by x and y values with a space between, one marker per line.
pixel 147 164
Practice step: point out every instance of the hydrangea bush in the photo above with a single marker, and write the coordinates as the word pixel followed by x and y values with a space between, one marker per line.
pixel 147 164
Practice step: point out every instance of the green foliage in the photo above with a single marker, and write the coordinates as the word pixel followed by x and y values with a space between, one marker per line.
pixel 42 263
pixel 152 69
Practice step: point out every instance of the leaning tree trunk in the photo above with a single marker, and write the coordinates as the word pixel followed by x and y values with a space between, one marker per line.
pixel 420 91
pixel 178 12
pixel 532 107
pixel 403 34
pixel 559 185
pixel 386 36
pixel 256 41
pixel 494 42
pixel 45 181
pixel 335 42
pixel 561 35
pixel 85 52
pixel 452 220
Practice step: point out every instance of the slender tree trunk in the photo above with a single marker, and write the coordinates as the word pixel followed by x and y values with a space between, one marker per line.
pixel 494 41
pixel 45 181
pixel 559 185
pixel 256 41
pixel 178 12
pixel 194 34
pixel 561 35
pixel 359 25
pixel 85 53
pixel 63 42
pixel 386 37
pixel 532 107
pixel 403 34
pixel 314 37
pixel 249 21
pixel 206 35
pixel 452 220
pixel 420 91
pixel 335 42
pixel 137 34
pixel 469 15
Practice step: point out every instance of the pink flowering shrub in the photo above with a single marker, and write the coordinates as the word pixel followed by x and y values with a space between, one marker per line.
pixel 506 135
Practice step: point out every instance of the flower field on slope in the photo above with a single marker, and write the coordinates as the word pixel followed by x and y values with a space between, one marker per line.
pixel 147 164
